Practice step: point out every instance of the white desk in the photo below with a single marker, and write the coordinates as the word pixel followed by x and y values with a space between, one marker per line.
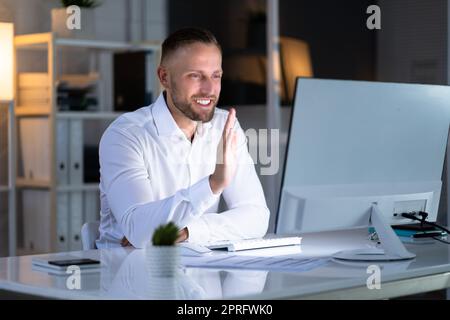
pixel 124 276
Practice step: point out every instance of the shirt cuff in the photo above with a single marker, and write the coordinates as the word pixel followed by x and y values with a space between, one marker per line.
pixel 198 231
pixel 201 196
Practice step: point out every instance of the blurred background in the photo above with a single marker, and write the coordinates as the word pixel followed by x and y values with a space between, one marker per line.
pixel 70 84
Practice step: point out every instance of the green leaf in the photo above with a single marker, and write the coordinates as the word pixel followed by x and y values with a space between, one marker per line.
pixel 165 235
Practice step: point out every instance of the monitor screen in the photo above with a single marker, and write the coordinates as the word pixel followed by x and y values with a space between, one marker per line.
pixel 355 143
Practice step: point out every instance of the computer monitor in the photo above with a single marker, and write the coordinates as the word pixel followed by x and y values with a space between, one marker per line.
pixel 363 151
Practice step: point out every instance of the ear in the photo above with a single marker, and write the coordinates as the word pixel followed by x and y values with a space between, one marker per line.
pixel 163 76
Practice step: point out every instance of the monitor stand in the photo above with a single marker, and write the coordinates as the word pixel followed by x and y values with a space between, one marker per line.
pixel 391 248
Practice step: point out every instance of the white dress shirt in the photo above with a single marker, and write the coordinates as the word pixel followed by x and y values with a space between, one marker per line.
pixel 152 174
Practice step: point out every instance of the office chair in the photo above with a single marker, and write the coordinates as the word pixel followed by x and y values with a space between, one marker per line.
pixel 89 233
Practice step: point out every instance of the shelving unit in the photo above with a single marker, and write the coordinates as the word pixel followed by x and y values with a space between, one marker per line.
pixel 53 198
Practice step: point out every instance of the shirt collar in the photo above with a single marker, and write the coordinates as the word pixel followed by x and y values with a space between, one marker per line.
pixel 165 123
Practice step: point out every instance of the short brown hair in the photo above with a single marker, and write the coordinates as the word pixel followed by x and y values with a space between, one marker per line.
pixel 187 36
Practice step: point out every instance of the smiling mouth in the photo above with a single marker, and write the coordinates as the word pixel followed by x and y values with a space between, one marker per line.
pixel 204 102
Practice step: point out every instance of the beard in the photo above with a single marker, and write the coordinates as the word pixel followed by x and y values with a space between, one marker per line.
pixel 186 107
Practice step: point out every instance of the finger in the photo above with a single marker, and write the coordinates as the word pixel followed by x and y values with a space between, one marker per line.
pixel 180 238
pixel 231 136
pixel 224 144
pixel 229 124
pixel 125 242
pixel 230 147
pixel 182 235
pixel 229 139
pixel 231 152
pixel 234 140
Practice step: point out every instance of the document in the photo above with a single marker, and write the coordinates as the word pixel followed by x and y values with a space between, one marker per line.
pixel 227 261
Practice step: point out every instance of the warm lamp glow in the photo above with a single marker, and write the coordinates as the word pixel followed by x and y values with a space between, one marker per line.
pixel 296 62
pixel 6 61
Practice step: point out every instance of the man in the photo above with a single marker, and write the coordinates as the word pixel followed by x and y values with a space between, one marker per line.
pixel 172 160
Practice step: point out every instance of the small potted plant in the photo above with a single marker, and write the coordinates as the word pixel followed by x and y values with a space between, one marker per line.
pixel 162 254
pixel 68 22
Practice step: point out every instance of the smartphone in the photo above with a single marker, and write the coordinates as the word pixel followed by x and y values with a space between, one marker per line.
pixel 415 227
pixel 429 234
pixel 71 262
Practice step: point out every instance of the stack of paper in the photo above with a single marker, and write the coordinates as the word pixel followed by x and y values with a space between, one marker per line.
pixel 281 263
pixel 34 89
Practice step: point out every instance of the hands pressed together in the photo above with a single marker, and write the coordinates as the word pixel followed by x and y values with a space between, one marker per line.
pixel 226 156
pixel 225 170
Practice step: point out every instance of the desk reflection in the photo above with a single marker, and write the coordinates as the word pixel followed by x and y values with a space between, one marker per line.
pixel 337 269
pixel 127 277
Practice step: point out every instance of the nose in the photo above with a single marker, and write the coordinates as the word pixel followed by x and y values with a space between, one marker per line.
pixel 207 86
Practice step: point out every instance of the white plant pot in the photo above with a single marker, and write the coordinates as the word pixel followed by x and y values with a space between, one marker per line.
pixel 62 29
pixel 162 261
pixel 164 288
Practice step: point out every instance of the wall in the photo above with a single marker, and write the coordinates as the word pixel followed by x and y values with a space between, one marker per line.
pixel 341 45
pixel 412 46
pixel 412 42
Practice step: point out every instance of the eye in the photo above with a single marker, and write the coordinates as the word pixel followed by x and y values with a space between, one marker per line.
pixel 217 76
pixel 194 76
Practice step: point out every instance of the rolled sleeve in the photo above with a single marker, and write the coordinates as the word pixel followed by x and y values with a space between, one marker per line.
pixel 201 196
pixel 198 231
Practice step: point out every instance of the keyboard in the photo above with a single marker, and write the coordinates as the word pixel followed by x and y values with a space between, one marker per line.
pixel 248 244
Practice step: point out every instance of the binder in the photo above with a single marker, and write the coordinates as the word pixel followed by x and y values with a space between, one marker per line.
pixel 91 206
pixel 105 84
pixel 34 147
pixel 62 151
pixel 76 151
pixel 36 217
pixel 62 178
pixel 76 220
pixel 75 178
pixel 62 221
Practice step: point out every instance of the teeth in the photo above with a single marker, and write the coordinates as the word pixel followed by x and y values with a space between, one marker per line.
pixel 203 102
